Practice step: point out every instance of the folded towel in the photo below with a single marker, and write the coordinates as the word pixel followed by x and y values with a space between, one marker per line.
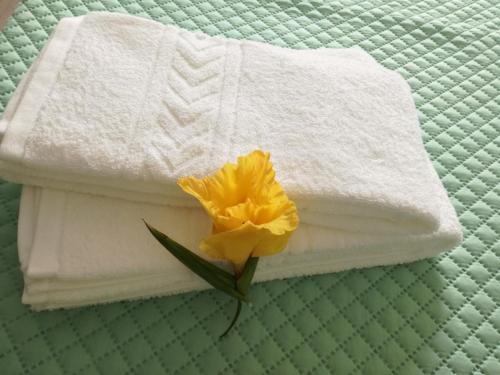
pixel 120 107
pixel 78 249
pixel 123 106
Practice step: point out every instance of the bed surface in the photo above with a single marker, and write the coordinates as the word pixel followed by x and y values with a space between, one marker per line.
pixel 439 316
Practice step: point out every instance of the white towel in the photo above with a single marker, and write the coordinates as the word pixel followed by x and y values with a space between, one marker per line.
pixel 123 106
pixel 78 249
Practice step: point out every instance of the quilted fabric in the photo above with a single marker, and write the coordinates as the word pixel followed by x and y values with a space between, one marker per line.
pixel 436 316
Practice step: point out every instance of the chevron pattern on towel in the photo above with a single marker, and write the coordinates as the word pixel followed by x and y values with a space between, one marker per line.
pixel 191 102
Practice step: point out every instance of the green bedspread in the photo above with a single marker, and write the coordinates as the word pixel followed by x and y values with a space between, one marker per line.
pixel 441 315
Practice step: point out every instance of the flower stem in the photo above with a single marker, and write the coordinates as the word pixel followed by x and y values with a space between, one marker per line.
pixel 235 318
pixel 242 284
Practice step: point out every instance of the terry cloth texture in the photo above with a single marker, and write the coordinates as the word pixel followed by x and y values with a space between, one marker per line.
pixel 124 106
pixel 385 205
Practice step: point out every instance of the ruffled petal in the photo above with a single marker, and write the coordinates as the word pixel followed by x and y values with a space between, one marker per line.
pixel 251 212
pixel 248 240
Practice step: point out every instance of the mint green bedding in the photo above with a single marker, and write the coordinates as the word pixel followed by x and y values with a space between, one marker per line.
pixel 436 316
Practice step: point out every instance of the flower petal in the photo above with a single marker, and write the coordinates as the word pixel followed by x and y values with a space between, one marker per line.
pixel 251 212
pixel 239 244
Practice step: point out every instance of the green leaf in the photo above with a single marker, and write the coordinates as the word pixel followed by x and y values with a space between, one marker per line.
pixel 214 275
pixel 246 277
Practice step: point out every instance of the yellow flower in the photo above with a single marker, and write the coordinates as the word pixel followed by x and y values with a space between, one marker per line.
pixel 251 213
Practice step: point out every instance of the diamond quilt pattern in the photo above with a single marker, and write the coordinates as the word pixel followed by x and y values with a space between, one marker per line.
pixel 436 316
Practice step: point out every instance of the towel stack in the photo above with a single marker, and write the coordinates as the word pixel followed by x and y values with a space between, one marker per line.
pixel 117 108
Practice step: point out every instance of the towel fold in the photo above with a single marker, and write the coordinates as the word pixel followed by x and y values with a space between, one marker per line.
pixel 78 249
pixel 117 108
pixel 123 106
